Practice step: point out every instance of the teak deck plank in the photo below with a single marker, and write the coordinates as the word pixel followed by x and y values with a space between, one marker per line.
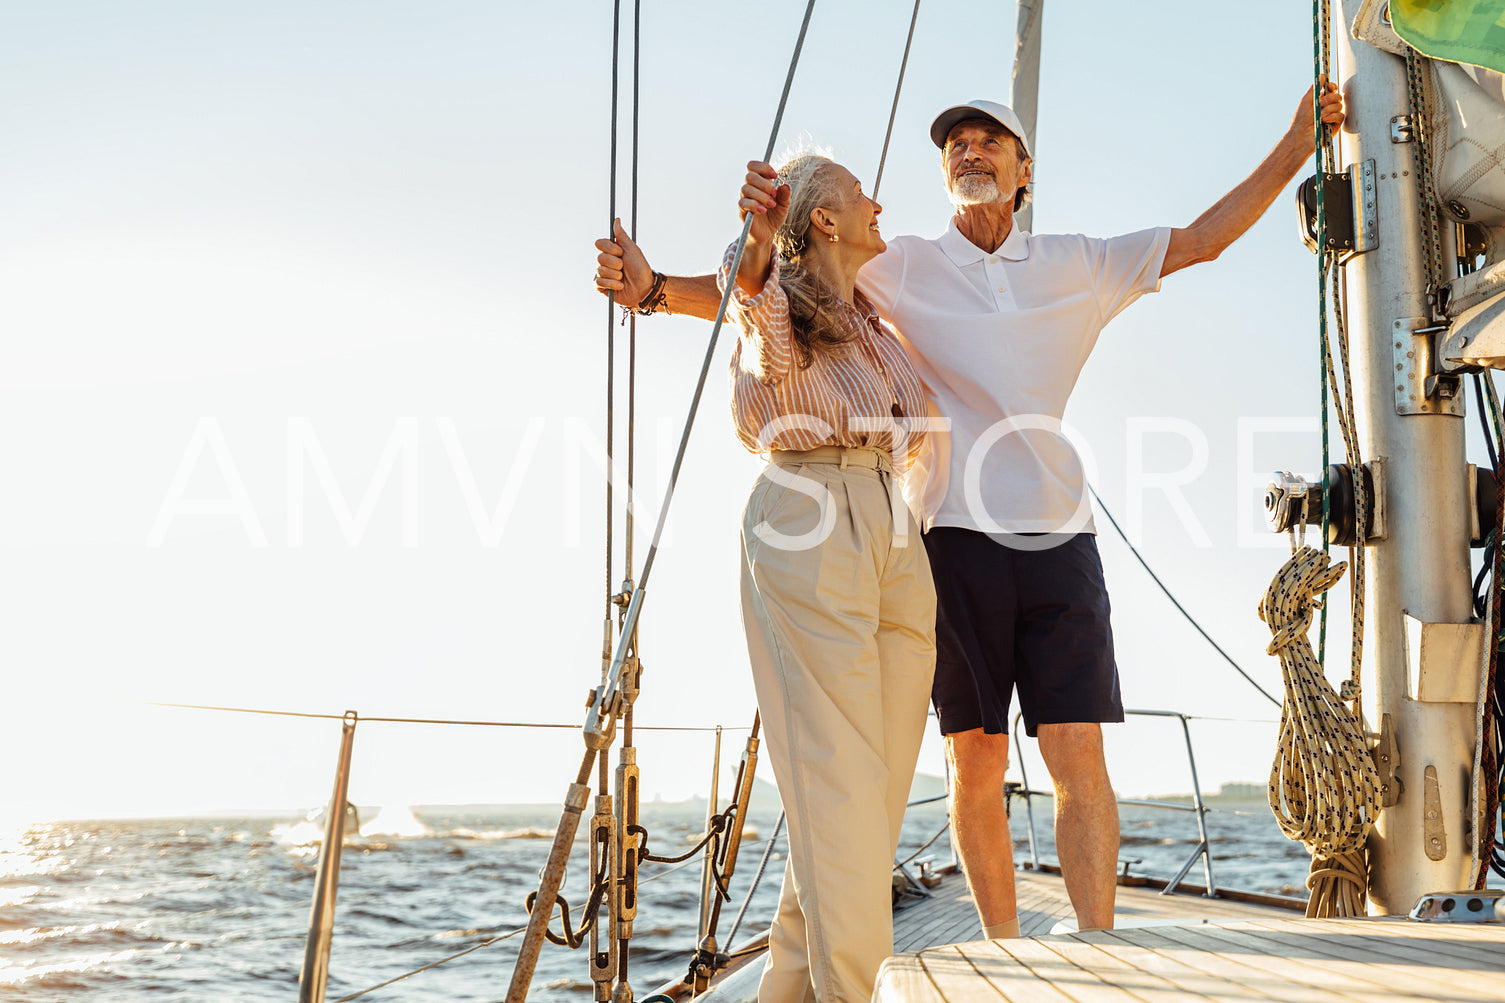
pixel 1299 984
pixel 1247 952
pixel 1086 961
pixel 1081 984
pixel 1409 957
pixel 956 973
pixel 1218 951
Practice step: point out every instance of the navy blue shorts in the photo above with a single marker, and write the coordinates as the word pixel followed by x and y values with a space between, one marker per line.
pixel 1032 620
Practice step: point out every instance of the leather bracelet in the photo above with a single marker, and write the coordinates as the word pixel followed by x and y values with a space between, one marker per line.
pixel 656 299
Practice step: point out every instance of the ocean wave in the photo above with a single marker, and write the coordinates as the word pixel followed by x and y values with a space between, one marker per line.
pixel 18 975
pixel 526 832
pixel 88 934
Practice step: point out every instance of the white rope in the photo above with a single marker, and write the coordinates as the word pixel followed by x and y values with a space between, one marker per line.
pixel 1323 787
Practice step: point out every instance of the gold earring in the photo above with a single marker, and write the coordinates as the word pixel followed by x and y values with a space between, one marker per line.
pixel 834 238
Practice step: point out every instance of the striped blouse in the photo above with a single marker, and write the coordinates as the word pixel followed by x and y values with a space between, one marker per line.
pixel 837 401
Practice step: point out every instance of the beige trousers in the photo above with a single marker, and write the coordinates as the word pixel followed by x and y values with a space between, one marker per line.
pixel 839 611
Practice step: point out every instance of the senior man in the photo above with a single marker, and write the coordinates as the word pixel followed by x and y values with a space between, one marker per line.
pixel 999 323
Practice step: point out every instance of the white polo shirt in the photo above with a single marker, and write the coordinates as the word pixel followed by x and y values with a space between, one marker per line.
pixel 999 341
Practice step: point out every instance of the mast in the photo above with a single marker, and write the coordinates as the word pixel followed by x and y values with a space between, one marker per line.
pixel 1422 650
pixel 1025 94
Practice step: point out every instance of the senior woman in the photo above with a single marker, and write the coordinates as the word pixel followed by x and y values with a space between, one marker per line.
pixel 837 599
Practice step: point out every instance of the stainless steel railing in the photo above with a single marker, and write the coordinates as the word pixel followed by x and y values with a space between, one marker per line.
pixel 1198 806
pixel 315 975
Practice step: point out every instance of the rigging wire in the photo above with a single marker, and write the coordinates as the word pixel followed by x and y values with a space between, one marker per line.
pixel 705 367
pixel 611 302
pixel 424 720
pixel 925 845
pixel 488 942
pixel 898 87
pixel 632 320
pixel 1176 602
pixel 757 878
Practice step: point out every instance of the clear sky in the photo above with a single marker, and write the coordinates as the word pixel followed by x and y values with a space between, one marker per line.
pixel 324 270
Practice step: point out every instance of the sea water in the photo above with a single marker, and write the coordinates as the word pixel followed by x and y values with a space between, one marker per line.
pixel 217 909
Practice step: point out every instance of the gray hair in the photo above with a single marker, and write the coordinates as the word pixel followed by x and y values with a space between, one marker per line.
pixel 815 313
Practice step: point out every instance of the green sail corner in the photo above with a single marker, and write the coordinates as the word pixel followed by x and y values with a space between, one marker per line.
pixel 1460 31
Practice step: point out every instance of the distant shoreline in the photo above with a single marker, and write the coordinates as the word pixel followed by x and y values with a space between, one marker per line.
pixel 765 799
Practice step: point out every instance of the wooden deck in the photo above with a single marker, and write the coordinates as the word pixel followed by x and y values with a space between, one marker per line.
pixel 1295 960
pixel 948 917
pixel 1172 949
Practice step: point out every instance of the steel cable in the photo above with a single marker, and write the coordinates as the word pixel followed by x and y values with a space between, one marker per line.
pixel 894 110
pixel 1176 602
pixel 427 720
pixel 710 351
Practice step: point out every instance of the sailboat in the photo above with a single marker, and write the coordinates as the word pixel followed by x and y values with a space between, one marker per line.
pixel 1411 506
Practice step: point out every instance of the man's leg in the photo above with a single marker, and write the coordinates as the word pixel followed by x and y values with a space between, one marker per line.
pixel 1086 819
pixel 980 824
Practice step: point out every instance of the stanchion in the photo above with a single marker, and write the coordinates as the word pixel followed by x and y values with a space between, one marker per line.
pixel 315 975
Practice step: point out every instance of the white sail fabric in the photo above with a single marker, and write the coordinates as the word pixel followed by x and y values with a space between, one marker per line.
pixel 1467 127
pixel 1468 142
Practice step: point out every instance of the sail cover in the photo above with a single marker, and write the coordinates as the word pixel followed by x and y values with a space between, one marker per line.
pixel 1460 31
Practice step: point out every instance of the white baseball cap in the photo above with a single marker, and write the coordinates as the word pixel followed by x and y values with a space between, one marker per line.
pixel 999 113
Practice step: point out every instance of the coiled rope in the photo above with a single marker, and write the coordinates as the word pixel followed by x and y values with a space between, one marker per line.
pixel 1323 787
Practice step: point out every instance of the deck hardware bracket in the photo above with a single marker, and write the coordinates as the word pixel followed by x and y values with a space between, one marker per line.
pixel 1402 129
pixel 1347 197
pixel 1435 839
pixel 1387 763
pixel 1444 661
pixel 1482 906
pixel 1445 386
pixel 1365 207
pixel 1379 510
pixel 1419 387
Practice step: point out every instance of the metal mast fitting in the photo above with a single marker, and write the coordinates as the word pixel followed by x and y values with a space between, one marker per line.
pixel 1349 200
pixel 1292 503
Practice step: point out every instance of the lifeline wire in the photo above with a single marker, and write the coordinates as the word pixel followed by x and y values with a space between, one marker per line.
pixel 1176 602
pixel 485 943
pixel 421 720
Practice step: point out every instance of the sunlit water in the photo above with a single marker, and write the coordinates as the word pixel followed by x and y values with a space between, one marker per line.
pixel 217 909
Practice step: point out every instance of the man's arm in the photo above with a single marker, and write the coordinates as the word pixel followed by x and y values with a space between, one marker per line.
pixel 621 268
pixel 1235 212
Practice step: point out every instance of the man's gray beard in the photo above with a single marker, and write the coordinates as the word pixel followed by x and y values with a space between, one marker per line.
pixel 975 189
